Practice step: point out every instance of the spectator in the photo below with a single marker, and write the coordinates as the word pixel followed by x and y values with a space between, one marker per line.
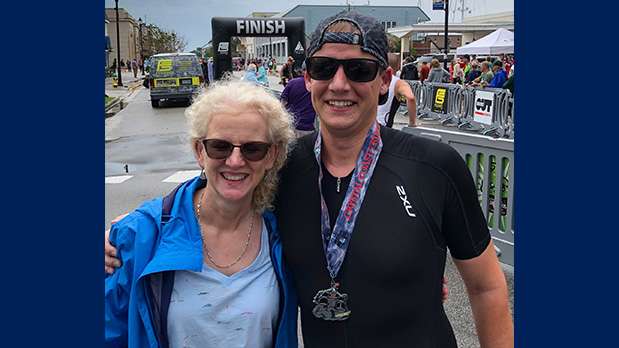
pixel 424 71
pixel 204 66
pixel 499 75
pixel 297 99
pixel 486 75
pixel 457 74
pixel 409 70
pixel 286 73
pixel 473 73
pixel 211 70
pixel 250 74
pixel 465 64
pixel 438 73
pixel 262 74
pixel 134 67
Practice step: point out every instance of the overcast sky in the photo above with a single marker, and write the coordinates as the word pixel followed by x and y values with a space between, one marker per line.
pixel 192 18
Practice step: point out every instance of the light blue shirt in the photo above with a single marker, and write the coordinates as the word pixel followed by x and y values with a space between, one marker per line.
pixel 211 310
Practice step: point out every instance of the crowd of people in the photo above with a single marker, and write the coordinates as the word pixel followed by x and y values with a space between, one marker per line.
pixel 131 65
pixel 466 70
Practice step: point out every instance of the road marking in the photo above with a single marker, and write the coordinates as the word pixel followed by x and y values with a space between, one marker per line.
pixel 182 176
pixel 117 179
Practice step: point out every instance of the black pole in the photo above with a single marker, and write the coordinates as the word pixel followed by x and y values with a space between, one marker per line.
pixel 141 46
pixel 446 32
pixel 120 78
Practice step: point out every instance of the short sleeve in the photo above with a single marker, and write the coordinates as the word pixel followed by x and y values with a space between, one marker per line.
pixel 464 226
pixel 285 93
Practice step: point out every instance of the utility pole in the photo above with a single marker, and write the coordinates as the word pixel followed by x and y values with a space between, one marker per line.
pixel 446 33
pixel 120 78
pixel 140 24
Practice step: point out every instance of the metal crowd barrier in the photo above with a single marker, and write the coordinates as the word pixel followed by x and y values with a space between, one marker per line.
pixel 491 162
pixel 488 111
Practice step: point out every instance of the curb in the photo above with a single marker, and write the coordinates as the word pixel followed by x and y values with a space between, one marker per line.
pixel 121 100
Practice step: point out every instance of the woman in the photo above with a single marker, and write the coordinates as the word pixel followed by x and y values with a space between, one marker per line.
pixel 250 74
pixel 212 275
pixel 437 73
pixel 261 74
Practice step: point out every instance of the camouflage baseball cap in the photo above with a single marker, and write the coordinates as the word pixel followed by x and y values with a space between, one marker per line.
pixel 372 39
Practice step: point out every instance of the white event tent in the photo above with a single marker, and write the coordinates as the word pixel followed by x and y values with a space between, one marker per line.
pixel 501 41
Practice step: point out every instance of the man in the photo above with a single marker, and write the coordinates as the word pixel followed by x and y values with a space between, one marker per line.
pixel 485 77
pixel 210 70
pixel 466 64
pixel 499 75
pixel 286 72
pixel 297 100
pixel 473 73
pixel 389 104
pixel 376 283
pixel 409 70
pixel 204 67
pixel 134 67
pixel 397 203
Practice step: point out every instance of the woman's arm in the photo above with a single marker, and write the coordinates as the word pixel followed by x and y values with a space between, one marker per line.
pixel 487 290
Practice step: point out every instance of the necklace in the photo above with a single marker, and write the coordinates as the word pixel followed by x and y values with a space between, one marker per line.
pixel 208 255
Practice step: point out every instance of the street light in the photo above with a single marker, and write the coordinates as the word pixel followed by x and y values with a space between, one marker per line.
pixel 120 78
pixel 140 23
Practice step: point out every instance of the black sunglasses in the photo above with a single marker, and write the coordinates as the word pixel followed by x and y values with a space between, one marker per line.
pixel 356 69
pixel 221 149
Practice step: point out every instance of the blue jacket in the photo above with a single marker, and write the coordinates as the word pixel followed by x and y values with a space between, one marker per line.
pixel 499 79
pixel 137 295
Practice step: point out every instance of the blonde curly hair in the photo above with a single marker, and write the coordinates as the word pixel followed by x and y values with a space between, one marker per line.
pixel 218 98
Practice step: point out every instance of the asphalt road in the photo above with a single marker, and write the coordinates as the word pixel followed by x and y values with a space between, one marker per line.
pixel 153 144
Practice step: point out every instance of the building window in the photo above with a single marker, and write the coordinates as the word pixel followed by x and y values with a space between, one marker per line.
pixel 388 24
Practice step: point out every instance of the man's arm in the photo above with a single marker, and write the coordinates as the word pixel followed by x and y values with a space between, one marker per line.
pixel 487 290
pixel 403 89
pixel 111 259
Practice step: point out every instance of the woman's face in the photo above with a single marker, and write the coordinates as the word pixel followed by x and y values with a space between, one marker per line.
pixel 234 178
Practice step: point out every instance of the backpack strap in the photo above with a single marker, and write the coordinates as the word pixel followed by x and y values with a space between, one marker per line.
pixel 168 201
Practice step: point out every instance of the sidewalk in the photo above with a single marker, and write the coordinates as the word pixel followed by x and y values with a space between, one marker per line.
pixel 129 83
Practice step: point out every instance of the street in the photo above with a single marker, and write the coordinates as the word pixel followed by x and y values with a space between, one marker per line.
pixel 147 154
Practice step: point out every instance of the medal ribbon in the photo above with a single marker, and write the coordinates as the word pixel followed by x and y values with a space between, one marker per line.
pixel 336 244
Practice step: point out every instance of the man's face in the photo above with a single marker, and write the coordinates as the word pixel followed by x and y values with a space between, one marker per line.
pixel 345 106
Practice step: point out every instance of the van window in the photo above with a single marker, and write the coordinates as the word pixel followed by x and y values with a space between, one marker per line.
pixel 175 66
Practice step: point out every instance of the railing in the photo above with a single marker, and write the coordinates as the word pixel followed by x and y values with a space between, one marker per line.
pixel 491 162
pixel 486 111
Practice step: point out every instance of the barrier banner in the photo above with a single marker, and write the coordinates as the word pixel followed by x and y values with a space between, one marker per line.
pixel 483 107
pixel 440 100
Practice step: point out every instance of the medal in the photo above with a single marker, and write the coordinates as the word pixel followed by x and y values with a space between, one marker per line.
pixel 330 304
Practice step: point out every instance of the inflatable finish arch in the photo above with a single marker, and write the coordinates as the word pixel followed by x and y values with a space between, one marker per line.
pixel 224 28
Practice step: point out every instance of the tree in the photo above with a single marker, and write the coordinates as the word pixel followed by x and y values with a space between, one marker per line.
pixel 157 40
pixel 394 43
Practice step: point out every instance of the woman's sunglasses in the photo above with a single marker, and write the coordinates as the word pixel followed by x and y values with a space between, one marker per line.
pixel 222 149
pixel 356 69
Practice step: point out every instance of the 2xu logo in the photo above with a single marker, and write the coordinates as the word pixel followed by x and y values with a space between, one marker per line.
pixel 407 205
